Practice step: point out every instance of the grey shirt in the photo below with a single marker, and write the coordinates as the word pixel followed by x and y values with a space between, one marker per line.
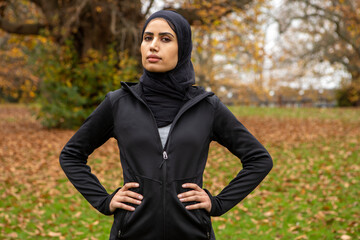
pixel 164 133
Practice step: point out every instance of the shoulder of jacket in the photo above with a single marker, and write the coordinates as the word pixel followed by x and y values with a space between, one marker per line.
pixel 213 100
pixel 197 90
pixel 114 96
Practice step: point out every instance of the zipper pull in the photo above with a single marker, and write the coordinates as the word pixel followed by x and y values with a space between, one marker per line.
pixel 165 156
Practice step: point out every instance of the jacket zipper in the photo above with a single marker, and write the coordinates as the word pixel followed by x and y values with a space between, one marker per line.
pixel 165 157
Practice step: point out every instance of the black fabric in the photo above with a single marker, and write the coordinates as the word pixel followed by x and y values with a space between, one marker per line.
pixel 165 92
pixel 203 118
pixel 163 100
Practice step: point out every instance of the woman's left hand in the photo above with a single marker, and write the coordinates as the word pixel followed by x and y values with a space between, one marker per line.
pixel 197 195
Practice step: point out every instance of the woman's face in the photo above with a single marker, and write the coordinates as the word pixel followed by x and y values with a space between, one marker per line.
pixel 159 47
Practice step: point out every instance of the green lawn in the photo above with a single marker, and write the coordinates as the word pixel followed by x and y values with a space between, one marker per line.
pixel 345 114
pixel 311 193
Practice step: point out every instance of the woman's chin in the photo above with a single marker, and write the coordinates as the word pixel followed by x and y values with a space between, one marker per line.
pixel 157 69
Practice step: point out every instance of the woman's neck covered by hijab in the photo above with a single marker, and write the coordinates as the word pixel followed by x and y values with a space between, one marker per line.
pixel 165 93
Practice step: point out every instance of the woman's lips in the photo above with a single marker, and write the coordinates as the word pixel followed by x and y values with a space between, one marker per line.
pixel 153 58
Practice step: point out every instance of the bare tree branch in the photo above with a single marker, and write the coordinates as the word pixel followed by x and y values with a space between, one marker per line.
pixel 347 39
pixel 3 5
pixel 50 8
pixel 23 29
pixel 113 22
pixel 37 2
pixel 75 17
pixel 241 4
pixel 46 4
pixel 148 8
pixel 326 11
pixel 325 14
pixel 193 17
pixel 114 14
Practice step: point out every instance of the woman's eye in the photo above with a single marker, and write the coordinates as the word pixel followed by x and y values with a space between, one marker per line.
pixel 166 39
pixel 147 38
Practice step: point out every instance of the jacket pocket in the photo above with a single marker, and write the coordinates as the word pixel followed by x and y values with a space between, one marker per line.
pixel 146 221
pixel 121 216
pixel 183 223
pixel 121 222
pixel 205 219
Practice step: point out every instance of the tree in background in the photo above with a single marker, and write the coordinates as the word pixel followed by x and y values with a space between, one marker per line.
pixel 229 52
pixel 71 88
pixel 316 34
pixel 74 50
pixel 94 24
pixel 17 82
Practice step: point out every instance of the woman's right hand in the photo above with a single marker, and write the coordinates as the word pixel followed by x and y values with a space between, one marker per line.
pixel 124 195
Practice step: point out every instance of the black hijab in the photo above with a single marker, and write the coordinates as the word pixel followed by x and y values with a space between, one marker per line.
pixel 165 93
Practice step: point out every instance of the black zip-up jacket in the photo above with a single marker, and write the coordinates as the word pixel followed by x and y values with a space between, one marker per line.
pixel 161 171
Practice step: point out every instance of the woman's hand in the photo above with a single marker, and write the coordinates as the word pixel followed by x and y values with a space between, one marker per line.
pixel 124 195
pixel 198 195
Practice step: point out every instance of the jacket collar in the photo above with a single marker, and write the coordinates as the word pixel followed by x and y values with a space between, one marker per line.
pixel 134 88
pixel 195 95
pixel 194 92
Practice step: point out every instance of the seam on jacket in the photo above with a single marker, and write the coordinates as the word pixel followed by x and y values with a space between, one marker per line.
pixel 182 179
pixel 114 97
pixel 112 115
pixel 221 133
pixel 151 179
pixel 117 95
pixel 214 101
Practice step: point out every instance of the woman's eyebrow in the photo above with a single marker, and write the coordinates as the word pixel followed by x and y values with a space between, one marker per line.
pixel 166 33
pixel 161 34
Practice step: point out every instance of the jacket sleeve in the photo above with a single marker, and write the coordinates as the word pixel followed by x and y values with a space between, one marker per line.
pixel 94 132
pixel 255 159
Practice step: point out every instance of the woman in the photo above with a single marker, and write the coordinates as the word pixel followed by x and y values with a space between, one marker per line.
pixel 163 126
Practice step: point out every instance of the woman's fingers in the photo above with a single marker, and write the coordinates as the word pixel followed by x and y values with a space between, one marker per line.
pixel 192 185
pixel 126 199
pixel 124 191
pixel 122 206
pixel 129 185
pixel 129 193
pixel 196 195
pixel 124 195
pixel 188 194
pixel 196 206
pixel 193 198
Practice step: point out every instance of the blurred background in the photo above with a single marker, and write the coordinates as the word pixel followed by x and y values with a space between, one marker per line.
pixel 288 69
pixel 249 52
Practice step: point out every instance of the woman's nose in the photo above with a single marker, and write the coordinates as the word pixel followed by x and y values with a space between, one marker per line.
pixel 154 46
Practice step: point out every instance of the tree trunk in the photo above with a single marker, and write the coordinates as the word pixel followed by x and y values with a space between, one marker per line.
pixel 100 24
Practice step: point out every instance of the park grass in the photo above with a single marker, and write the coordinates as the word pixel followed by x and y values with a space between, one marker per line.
pixel 344 114
pixel 311 193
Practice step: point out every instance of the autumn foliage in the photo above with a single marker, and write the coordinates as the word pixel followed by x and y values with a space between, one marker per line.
pixel 71 87
pixel 17 82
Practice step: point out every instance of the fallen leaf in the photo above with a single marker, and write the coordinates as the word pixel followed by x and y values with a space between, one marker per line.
pixel 54 234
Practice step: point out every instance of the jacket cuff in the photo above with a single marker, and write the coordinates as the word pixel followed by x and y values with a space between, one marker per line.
pixel 107 203
pixel 214 204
